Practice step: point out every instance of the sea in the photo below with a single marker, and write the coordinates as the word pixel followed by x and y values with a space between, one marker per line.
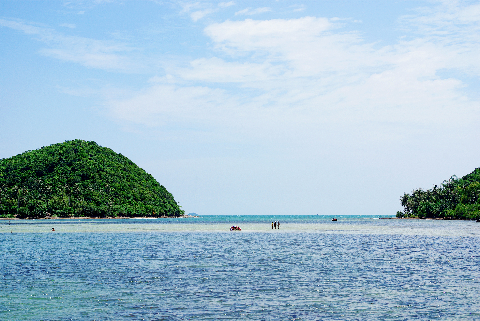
pixel 311 268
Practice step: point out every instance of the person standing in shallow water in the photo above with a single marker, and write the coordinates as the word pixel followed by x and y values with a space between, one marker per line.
pixel 278 224
pixel 275 224
pixel 272 225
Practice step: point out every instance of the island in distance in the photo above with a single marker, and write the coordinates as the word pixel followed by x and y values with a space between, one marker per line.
pixel 80 179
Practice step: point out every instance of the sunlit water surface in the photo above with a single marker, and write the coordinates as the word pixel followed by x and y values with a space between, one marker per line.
pixel 358 268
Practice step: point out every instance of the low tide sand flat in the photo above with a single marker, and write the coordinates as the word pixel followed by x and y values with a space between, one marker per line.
pixel 291 224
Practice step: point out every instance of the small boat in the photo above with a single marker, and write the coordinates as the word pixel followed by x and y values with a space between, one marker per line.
pixel 334 219
pixel 235 228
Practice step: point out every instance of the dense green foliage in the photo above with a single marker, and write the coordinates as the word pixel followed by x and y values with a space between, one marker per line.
pixel 79 178
pixel 455 199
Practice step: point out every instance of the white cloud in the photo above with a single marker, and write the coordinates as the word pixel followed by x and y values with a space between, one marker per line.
pixel 454 28
pixel 216 70
pixel 447 17
pixel 275 38
pixel 250 34
pixel 162 104
pixel 20 26
pixel 68 25
pixel 298 8
pixel 197 15
pixel 92 53
pixel 251 12
pixel 201 10
pixel 298 75
pixel 187 7
pixel 306 47
pixel 198 10
pixel 226 4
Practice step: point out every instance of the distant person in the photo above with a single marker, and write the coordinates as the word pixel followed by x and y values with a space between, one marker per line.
pixel 278 224
pixel 272 225
pixel 53 229
pixel 275 224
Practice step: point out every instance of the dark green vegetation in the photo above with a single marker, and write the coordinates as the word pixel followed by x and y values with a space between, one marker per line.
pixel 457 198
pixel 79 178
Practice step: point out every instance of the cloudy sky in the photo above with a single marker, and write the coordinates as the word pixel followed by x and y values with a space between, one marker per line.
pixel 252 107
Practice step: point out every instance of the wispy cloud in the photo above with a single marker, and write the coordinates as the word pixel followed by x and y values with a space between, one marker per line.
pixel 251 12
pixel 198 10
pixel 277 76
pixel 298 8
pixel 266 76
pixel 454 28
pixel 164 104
pixel 68 25
pixel 108 55
pixel 226 4
pixel 197 15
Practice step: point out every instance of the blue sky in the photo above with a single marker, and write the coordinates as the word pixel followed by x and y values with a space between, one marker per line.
pixel 252 107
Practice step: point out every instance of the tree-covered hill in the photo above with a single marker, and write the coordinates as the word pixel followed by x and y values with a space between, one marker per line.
pixel 457 198
pixel 80 178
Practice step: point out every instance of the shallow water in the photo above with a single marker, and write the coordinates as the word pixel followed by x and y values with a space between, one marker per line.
pixel 357 268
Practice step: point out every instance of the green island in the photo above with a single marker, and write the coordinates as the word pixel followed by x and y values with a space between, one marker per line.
pixel 80 179
pixel 457 198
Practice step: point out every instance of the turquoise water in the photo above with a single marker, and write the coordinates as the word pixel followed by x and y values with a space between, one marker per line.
pixel 358 268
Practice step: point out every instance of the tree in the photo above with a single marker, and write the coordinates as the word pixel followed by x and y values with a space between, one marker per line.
pixel 79 178
pixel 455 199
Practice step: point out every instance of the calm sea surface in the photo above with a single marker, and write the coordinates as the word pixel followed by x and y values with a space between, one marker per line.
pixel 358 268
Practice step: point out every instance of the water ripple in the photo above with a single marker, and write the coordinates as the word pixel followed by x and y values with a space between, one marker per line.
pixel 247 276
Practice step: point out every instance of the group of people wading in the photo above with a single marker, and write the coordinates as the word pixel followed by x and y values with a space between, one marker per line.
pixel 276 225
